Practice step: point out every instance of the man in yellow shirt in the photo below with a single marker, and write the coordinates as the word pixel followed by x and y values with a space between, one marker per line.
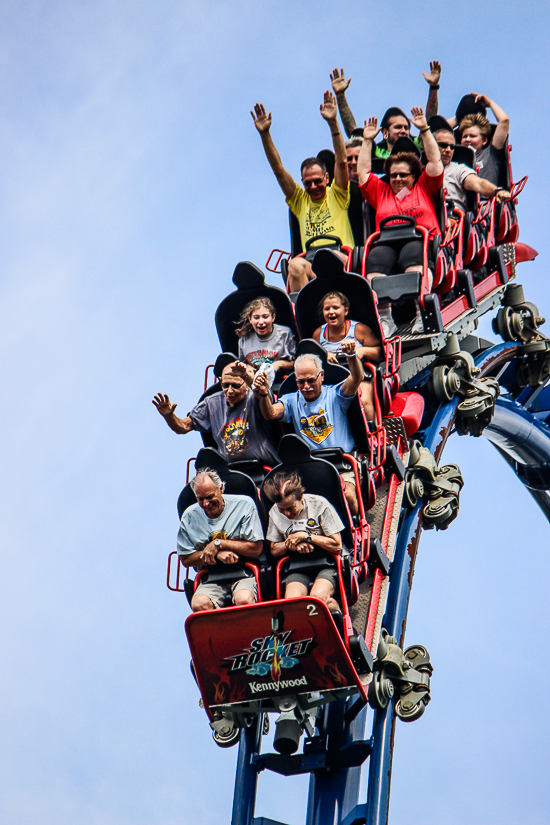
pixel 321 209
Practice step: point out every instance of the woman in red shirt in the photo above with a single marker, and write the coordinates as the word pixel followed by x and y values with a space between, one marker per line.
pixel 411 191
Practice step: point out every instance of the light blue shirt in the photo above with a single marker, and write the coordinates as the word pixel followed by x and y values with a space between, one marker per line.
pixel 239 520
pixel 323 422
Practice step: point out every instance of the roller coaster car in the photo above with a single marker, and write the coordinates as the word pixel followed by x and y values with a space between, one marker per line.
pixel 287 656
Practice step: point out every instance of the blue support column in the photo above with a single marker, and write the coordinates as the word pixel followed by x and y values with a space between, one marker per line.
pixel 333 794
pixel 246 778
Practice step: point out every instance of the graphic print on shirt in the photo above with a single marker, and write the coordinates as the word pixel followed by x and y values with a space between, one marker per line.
pixel 298 527
pixel 220 535
pixel 261 356
pixel 319 221
pixel 234 435
pixel 316 427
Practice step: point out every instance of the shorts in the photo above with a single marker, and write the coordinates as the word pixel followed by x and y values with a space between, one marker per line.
pixel 348 475
pixel 329 573
pixel 217 592
pixel 388 259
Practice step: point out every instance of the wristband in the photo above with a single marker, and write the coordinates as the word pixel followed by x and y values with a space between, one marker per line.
pixel 335 134
pixel 427 129
pixel 432 86
pixel 264 394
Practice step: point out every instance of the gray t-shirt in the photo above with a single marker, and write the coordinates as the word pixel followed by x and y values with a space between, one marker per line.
pixel 279 346
pixel 238 520
pixel 241 432
pixel 318 517
pixel 490 162
pixel 453 181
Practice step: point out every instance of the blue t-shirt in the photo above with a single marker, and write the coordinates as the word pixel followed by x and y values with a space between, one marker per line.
pixel 323 422
pixel 238 520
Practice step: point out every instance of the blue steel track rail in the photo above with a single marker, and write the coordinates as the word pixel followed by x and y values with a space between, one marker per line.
pixel 334 795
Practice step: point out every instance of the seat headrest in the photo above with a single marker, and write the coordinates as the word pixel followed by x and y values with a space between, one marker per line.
pixel 327 264
pixel 248 276
pixel 293 450
pixel 211 458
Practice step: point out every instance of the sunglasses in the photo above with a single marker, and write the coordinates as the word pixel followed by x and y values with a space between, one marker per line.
pixel 443 145
pixel 227 384
pixel 396 175
pixel 301 381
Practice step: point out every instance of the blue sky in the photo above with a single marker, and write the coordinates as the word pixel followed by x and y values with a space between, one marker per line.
pixel 133 182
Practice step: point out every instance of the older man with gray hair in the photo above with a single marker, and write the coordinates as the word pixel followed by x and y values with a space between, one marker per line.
pixel 219 529
pixel 318 411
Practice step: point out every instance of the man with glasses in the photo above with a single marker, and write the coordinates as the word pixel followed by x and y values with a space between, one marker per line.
pixel 232 416
pixel 317 411
pixel 321 209
pixel 458 177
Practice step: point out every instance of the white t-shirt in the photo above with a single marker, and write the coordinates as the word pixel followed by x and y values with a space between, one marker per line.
pixel 454 176
pixel 318 518
pixel 238 520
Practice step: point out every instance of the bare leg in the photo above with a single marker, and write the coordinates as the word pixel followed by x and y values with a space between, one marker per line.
pixel 201 602
pixel 367 398
pixel 295 589
pixel 299 274
pixel 351 497
pixel 324 590
pixel 244 596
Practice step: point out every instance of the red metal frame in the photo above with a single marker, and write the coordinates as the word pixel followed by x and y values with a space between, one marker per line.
pixel 209 367
pixel 425 268
pixel 200 573
pixel 275 267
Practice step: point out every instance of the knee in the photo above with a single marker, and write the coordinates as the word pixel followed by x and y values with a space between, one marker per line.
pixel 244 597
pixel 200 602
pixel 351 498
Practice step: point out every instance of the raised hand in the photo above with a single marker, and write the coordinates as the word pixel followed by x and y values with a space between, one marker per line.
pixel 482 99
pixel 328 107
pixel 163 405
pixel 435 73
pixel 339 83
pixel 262 121
pixel 348 348
pixel 418 118
pixel 261 384
pixel 371 128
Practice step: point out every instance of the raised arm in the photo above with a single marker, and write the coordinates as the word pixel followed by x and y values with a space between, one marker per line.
pixel 433 80
pixel 434 166
pixel 339 86
pixel 485 188
pixel 262 122
pixel 364 161
pixel 329 112
pixel 269 410
pixel 351 384
pixel 166 409
pixel 503 121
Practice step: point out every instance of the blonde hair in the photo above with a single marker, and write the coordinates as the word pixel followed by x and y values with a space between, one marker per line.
pixel 478 120
pixel 244 321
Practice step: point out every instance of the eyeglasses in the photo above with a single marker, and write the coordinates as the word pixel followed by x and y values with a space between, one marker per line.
pixel 443 145
pixel 397 175
pixel 315 182
pixel 301 381
pixel 227 384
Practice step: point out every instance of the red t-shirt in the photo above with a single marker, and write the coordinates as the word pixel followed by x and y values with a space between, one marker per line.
pixel 418 204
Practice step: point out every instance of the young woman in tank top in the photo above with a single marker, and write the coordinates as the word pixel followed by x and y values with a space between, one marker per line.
pixel 334 310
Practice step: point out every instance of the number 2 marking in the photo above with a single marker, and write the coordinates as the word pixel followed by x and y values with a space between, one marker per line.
pixel 312 609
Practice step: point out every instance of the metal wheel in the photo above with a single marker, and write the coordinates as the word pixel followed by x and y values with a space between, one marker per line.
pixel 227 737
pixel 380 691
pixel 414 490
pixel 443 387
pixel 409 711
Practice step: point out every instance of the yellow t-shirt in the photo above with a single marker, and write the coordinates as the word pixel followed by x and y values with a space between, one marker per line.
pixel 326 217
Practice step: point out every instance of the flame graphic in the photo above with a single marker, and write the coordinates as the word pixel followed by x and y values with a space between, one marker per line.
pixel 335 674
pixel 220 693
pixel 275 664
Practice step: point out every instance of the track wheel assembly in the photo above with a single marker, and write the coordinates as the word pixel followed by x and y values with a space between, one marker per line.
pixel 403 674
pixel 439 486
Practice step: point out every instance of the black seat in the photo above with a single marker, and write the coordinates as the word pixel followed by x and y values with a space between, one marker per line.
pixel 330 276
pixel 250 283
